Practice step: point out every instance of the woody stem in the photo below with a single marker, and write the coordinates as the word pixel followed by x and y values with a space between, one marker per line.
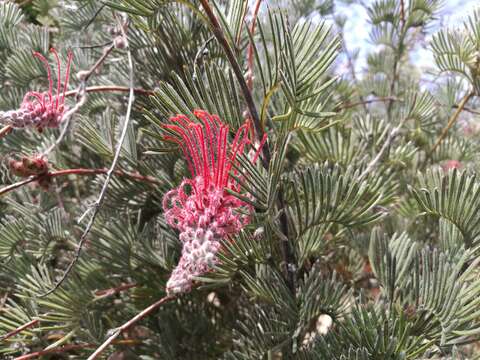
pixel 219 34
pixel 134 176
pixel 73 347
pixel 286 248
pixel 147 311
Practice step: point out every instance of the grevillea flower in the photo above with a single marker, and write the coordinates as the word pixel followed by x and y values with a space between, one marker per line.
pixel 201 208
pixel 42 110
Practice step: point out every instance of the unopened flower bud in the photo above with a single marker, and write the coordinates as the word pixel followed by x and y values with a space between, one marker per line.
pixel 17 168
pixel 119 42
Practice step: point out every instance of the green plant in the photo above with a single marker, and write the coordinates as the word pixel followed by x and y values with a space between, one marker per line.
pixel 362 239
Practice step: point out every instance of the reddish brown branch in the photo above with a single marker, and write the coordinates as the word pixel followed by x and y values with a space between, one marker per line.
pixel 129 324
pixel 135 176
pixel 115 290
pixel 63 349
pixel 56 350
pixel 19 329
pixel 100 293
pixel 220 36
pixel 85 75
pixel 288 253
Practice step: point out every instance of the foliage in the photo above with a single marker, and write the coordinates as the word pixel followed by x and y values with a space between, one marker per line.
pixel 365 238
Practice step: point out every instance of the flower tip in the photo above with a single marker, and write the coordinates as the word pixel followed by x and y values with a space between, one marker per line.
pixel 199 112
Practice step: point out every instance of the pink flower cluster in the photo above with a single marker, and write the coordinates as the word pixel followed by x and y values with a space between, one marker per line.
pixel 200 208
pixel 41 110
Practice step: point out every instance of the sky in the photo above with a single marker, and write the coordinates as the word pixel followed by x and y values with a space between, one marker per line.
pixel 357 28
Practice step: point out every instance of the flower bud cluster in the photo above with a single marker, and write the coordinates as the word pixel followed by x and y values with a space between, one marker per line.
pixel 32 114
pixel 29 166
pixel 204 217
pixel 36 165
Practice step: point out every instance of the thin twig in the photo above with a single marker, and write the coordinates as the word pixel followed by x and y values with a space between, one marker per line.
pixel 392 85
pixel 452 120
pixel 19 329
pixel 94 46
pixel 86 75
pixel 99 10
pixel 81 171
pixel 111 170
pixel 394 98
pixel 111 88
pixel 386 145
pixel 100 293
pixel 469 110
pixel 115 290
pixel 200 53
pixel 369 101
pixel 130 323
pixel 219 34
pixel 57 350
pixel 16 185
pixel 63 349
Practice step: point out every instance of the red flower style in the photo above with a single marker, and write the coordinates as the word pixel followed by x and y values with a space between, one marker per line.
pixel 200 208
pixel 42 109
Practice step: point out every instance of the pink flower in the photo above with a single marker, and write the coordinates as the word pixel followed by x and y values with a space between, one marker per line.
pixel 42 109
pixel 200 208
pixel 451 164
